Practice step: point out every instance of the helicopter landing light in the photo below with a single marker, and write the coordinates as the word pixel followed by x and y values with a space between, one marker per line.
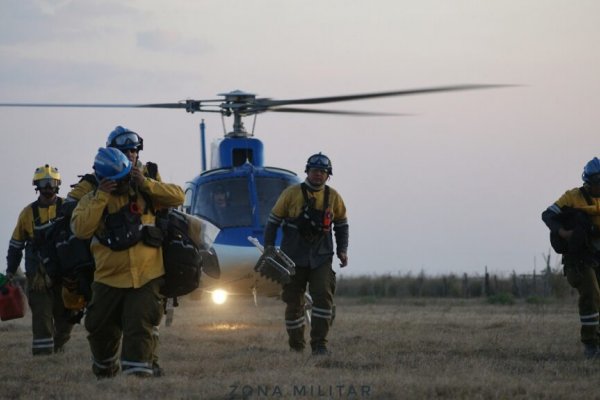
pixel 219 296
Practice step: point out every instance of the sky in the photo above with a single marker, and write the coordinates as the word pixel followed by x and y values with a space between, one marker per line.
pixel 455 187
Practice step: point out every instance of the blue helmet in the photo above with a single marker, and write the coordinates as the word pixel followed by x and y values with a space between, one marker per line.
pixel 319 161
pixel 110 163
pixel 124 139
pixel 591 171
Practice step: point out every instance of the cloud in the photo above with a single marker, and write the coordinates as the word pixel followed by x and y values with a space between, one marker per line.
pixel 44 21
pixel 169 41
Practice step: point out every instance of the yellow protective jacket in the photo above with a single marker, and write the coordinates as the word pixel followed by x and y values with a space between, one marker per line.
pixel 23 234
pixel 574 198
pixel 291 203
pixel 288 207
pixel 137 265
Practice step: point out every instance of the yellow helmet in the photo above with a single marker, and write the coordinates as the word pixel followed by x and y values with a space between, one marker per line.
pixel 46 173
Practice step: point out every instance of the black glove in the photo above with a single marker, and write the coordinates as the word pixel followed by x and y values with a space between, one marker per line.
pixel 269 251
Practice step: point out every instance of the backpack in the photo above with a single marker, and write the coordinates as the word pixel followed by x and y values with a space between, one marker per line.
pixel 583 229
pixel 182 257
pixel 74 255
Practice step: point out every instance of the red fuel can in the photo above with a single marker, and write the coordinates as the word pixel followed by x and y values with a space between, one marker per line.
pixel 12 302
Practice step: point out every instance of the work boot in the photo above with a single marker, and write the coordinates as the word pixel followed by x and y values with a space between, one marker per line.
pixel 320 350
pixel 105 373
pixel 157 371
pixel 43 352
pixel 297 349
pixel 591 351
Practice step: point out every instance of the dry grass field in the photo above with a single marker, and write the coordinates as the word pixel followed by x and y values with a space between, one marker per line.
pixel 407 349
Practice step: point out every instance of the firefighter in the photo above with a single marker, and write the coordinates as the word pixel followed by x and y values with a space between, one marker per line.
pixel 581 249
pixel 50 320
pixel 307 213
pixel 130 144
pixel 220 205
pixel 119 218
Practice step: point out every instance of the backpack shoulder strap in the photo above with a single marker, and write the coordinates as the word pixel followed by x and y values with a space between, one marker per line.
pixel 90 178
pixel 586 196
pixel 304 192
pixel 152 169
pixel 35 208
pixel 149 206
pixel 326 199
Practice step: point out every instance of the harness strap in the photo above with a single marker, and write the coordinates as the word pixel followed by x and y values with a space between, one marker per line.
pixel 304 193
pixel 148 205
pixel 586 196
pixel 306 199
pixel 36 213
pixel 35 208
pixel 324 222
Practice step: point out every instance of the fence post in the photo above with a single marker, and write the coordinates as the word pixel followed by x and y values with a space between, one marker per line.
pixel 486 283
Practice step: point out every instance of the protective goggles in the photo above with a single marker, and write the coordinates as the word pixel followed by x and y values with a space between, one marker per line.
pixel 318 160
pixel 42 183
pixel 128 140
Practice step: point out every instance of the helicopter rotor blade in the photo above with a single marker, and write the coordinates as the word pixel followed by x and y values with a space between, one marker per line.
pixel 334 112
pixel 245 104
pixel 73 105
pixel 332 99
pixel 188 104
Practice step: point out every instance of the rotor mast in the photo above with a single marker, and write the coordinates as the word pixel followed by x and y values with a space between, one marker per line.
pixel 240 104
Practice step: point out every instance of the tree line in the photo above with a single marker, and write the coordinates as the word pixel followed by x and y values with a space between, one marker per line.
pixel 549 282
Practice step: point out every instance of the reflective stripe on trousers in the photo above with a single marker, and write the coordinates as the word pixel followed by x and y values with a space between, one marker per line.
pixel 133 367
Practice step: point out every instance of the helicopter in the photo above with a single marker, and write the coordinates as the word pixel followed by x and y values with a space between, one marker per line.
pixel 236 192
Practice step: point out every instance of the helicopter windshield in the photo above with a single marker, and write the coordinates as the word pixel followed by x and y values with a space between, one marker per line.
pixel 267 191
pixel 230 202
pixel 225 202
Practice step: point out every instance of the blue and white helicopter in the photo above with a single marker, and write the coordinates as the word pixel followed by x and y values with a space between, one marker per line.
pixel 237 191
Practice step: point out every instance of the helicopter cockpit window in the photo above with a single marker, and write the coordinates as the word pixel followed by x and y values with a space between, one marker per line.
pixel 224 202
pixel 268 190
pixel 187 202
